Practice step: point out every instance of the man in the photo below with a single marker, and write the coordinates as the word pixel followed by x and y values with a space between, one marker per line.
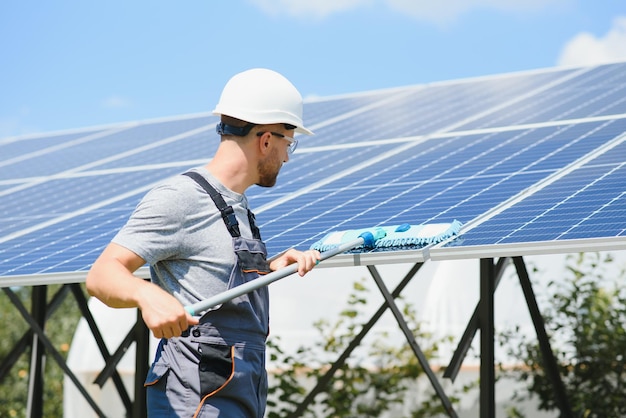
pixel 199 238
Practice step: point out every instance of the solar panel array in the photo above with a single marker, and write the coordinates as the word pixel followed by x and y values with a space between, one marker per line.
pixel 529 162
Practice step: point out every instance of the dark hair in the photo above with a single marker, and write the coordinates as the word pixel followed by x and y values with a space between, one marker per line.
pixel 230 121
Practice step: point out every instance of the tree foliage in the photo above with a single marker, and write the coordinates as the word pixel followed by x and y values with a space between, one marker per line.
pixel 586 321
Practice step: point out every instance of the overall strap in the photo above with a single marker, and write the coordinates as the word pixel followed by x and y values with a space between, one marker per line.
pixel 228 214
pixel 256 234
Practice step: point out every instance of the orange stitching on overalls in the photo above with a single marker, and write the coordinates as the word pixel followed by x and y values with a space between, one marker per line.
pixel 232 374
pixel 262 273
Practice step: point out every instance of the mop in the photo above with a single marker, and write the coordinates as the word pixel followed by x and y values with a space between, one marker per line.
pixel 403 236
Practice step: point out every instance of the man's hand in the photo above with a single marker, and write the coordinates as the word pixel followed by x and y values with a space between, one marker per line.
pixel 111 280
pixel 163 313
pixel 306 260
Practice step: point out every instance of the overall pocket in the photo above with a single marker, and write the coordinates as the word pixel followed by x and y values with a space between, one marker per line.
pixel 159 368
pixel 216 367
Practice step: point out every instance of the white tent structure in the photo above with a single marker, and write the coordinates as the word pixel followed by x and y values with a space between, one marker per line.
pixel 86 361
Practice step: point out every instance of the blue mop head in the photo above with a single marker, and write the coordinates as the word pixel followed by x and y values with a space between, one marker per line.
pixel 389 237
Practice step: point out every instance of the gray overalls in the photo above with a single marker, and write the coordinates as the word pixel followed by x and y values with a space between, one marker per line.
pixel 217 368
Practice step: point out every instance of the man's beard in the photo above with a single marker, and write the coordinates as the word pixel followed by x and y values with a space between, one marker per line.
pixel 268 171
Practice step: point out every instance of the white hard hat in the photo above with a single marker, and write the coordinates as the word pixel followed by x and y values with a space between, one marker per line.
pixel 262 97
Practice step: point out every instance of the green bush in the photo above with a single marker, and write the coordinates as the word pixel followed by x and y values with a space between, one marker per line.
pixel 585 318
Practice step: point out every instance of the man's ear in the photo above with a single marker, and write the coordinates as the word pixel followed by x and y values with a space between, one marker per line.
pixel 264 143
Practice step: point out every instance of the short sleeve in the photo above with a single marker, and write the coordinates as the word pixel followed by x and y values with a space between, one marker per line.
pixel 154 229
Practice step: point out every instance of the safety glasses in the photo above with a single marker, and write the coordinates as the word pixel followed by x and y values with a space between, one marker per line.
pixel 293 143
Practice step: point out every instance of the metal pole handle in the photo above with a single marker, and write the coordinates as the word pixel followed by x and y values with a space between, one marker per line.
pixel 265 280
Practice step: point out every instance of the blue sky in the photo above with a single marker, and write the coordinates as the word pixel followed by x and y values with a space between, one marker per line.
pixel 72 64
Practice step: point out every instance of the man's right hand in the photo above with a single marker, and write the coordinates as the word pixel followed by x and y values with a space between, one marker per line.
pixel 163 313
pixel 111 280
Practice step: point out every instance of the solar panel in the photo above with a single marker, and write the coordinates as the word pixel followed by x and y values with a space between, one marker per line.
pixel 428 109
pixel 568 213
pixel 598 92
pixel 458 177
pixel 501 154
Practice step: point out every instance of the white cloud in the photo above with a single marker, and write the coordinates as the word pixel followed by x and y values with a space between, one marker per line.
pixel 115 102
pixel 586 49
pixel 434 11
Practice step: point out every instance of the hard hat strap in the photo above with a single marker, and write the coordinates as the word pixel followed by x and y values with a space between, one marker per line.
pixel 223 129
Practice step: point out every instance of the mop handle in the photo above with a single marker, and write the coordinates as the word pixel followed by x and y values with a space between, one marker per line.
pixel 265 280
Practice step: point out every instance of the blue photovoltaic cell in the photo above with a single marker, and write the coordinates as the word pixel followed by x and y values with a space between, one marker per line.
pixel 597 92
pixel 433 186
pixel 17 147
pixel 589 202
pixel 179 150
pixel 422 111
pixel 54 199
pixel 321 110
pixel 308 168
pixel 66 246
pixel 90 154
pixel 64 196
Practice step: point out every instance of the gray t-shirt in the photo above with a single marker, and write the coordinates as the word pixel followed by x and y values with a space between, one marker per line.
pixel 180 233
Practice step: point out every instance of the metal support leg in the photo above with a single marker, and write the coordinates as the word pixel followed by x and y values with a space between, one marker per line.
pixel 549 362
pixel 27 338
pixel 110 366
pixel 34 406
pixel 140 335
pixel 323 381
pixel 487 339
pixel 39 332
pixel 472 326
pixel 412 342
pixel 142 344
pixel 81 300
